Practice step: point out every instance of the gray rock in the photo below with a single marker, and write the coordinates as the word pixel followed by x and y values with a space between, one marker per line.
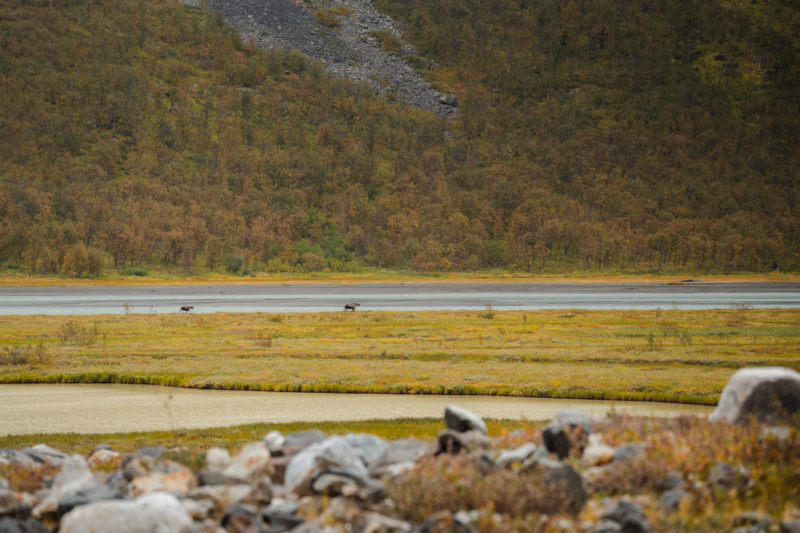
pixel 671 499
pixel 628 452
pixel 779 434
pixel 756 519
pixel 332 452
pixel 459 419
pixel 281 517
pixel 378 523
pixel 15 503
pixel 400 451
pixel 454 442
pixel 217 459
pixel 3 483
pixel 726 476
pixel 74 477
pixel 507 458
pixel 769 394
pixel 303 439
pixel 93 492
pixel 790 526
pixel 607 526
pixel 10 456
pixel 241 519
pixel 252 463
pixel 153 513
pixel 629 516
pixel 369 447
pixel 672 480
pixel 100 456
pixel 222 495
pixel 569 429
pixel 167 476
pixel 563 477
pixel 9 525
pixel 42 453
pixel 154 452
pixel 275 442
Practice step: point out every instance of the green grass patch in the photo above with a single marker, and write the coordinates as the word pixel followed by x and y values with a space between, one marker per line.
pixel 233 437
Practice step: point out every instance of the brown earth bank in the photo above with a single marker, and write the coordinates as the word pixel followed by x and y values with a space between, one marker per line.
pixel 738 470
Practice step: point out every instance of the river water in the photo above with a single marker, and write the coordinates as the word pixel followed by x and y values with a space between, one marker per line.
pixel 28 409
pixel 316 297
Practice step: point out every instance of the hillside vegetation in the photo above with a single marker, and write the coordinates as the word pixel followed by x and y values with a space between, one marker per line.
pixel 634 136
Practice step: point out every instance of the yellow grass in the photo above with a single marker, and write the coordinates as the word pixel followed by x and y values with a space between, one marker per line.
pixel 671 355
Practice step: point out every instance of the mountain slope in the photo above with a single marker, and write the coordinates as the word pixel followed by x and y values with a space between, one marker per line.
pixel 591 135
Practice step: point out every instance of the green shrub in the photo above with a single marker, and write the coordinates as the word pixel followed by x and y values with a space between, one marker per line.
pixel 389 41
pixel 328 18
pixel 135 271
pixel 233 262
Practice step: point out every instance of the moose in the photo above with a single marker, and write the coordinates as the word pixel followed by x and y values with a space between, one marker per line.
pixel 351 307
pixel 186 308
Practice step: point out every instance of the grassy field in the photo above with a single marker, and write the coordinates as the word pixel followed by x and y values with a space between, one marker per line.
pixel 665 355
pixel 234 437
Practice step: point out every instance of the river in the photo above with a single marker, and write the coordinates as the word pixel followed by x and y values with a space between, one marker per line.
pixel 317 297
pixel 123 408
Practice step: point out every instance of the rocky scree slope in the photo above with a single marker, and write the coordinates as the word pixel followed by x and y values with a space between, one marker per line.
pixel 347 49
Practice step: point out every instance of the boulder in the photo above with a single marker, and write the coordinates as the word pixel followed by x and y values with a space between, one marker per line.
pixel 275 442
pixel 241 519
pixel 629 452
pixel 9 525
pixel 569 429
pixel 596 453
pixel 368 447
pixel 332 452
pixel 73 478
pixel 252 463
pixel 563 477
pixel 671 499
pixel 217 459
pixel 300 440
pixel 159 512
pixel 461 420
pixel 42 453
pixel 726 476
pixel 222 495
pixel 15 503
pixel 790 526
pixel 168 476
pixel 768 394
pixel 629 516
pixel 400 451
pixel 281 516
pixel 508 458
pixel 101 456
pixel 454 442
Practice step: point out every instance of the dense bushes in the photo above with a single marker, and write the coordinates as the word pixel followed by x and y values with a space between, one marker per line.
pixel 591 135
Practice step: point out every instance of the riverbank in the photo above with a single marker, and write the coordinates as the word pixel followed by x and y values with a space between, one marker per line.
pixel 661 355
pixel 112 277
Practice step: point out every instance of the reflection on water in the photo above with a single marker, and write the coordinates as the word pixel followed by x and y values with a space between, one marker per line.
pixel 119 408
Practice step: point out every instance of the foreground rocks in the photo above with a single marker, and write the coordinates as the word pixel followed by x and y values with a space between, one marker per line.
pixel 576 474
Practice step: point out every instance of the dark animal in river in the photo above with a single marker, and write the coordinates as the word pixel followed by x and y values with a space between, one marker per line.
pixel 186 308
pixel 350 307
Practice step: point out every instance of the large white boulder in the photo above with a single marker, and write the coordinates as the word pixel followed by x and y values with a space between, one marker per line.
pixel 158 512
pixel 769 394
